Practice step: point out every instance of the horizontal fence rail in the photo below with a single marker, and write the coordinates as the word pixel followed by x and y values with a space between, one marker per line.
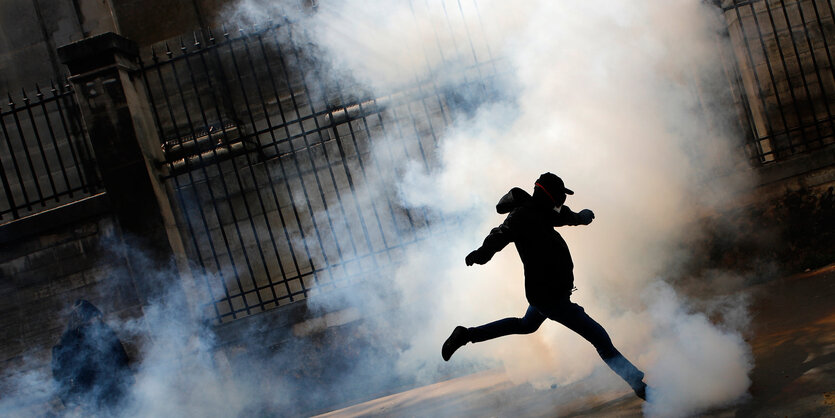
pixel 284 171
pixel 784 52
pixel 45 155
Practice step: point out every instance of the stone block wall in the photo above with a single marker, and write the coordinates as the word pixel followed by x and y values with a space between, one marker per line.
pixel 41 275
pixel 784 226
pixel 31 30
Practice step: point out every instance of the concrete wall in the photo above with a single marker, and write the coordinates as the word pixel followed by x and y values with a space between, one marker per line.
pixel 117 249
pixel 147 21
pixel 797 199
pixel 31 30
pixel 69 256
pixel 785 225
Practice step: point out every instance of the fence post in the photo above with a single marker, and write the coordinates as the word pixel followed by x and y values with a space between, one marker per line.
pixel 116 114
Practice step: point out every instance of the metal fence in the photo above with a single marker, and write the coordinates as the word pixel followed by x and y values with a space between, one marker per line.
pixel 284 171
pixel 45 156
pixel 785 67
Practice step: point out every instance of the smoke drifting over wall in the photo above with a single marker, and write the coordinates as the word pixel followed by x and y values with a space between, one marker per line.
pixel 609 95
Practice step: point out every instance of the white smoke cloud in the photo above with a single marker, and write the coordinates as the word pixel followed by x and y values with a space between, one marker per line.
pixel 694 363
pixel 178 372
pixel 607 95
pixel 603 93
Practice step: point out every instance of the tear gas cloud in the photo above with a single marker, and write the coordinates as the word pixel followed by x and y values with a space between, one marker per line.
pixel 616 98
pixel 609 95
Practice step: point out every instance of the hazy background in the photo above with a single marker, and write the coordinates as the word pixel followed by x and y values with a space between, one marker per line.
pixel 606 95
pixel 613 96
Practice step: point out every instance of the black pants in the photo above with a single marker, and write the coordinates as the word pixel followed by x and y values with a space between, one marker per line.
pixel 575 318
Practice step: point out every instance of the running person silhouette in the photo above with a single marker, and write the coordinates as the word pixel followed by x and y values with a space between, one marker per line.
pixel 549 276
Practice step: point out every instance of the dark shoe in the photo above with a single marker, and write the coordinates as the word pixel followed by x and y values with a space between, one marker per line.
pixel 641 390
pixel 455 341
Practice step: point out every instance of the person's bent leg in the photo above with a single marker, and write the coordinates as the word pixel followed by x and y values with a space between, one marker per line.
pixel 507 326
pixel 575 318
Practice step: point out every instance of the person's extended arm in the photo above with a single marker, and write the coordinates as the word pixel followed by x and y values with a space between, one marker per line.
pixel 567 217
pixel 498 238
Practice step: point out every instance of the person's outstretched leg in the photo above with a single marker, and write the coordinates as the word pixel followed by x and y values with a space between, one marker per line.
pixel 507 326
pixel 576 319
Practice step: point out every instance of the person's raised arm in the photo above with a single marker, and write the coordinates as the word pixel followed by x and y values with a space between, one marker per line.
pixel 567 217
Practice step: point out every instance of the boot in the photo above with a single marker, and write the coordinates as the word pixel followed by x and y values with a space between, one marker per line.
pixel 456 340
pixel 640 390
pixel 629 373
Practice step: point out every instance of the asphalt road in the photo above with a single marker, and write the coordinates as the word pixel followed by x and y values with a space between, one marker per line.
pixel 792 340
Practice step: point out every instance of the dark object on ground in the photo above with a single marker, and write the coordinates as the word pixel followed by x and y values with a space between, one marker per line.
pixel 89 364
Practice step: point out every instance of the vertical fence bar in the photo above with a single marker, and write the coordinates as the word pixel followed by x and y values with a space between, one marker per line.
pixel 10 195
pixel 38 172
pixel 817 68
pixel 28 157
pixel 344 158
pixel 469 38
pixel 787 76
pixel 269 175
pixel 423 158
pixel 223 183
pixel 386 138
pixel 54 142
pixel 391 156
pixel 752 145
pixel 7 188
pixel 284 175
pixel 255 286
pixel 484 34
pixel 85 150
pixel 825 38
pixel 805 126
pixel 752 65
pixel 249 164
pixel 380 174
pixel 28 107
pixel 422 98
pixel 429 65
pixel 177 190
pixel 232 262
pixel 85 187
pixel 771 77
pixel 285 123
pixel 803 75
pixel 307 148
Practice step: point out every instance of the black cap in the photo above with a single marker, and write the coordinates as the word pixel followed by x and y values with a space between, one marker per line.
pixel 552 184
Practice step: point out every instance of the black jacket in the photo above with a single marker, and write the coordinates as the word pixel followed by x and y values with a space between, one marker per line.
pixel 544 253
pixel 90 365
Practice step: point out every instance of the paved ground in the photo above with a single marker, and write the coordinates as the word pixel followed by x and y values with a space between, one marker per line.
pixel 794 375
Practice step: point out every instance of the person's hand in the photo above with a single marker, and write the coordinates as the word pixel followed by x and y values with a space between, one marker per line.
pixel 586 215
pixel 477 257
